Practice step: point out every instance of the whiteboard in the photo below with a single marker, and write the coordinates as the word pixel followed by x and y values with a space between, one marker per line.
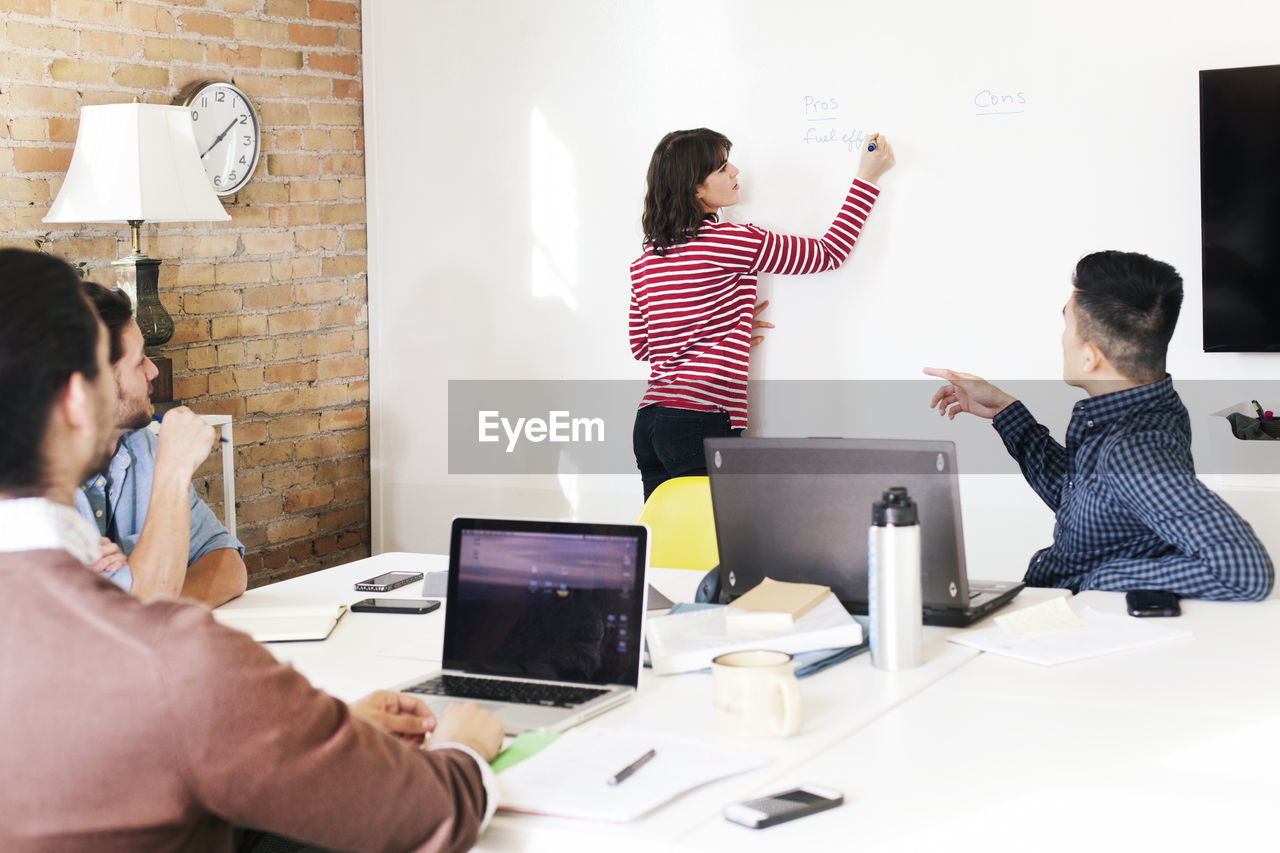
pixel 507 144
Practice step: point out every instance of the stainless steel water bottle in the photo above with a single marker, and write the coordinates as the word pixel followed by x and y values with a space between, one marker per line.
pixel 893 582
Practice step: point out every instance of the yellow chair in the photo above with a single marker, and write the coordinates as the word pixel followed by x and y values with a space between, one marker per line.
pixel 678 513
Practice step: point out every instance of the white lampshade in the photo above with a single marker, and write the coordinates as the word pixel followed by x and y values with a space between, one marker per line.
pixel 136 161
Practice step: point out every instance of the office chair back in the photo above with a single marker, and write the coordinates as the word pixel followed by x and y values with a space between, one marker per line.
pixel 683 528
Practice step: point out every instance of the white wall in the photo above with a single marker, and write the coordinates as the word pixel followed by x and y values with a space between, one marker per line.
pixel 507 144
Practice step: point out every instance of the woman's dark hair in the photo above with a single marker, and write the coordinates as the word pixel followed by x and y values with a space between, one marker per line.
pixel 48 332
pixel 682 161
pixel 115 310
pixel 1127 304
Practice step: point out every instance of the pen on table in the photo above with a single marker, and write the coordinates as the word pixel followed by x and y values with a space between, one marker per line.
pixel 626 772
pixel 159 419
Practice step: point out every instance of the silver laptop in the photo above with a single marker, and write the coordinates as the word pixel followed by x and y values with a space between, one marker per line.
pixel 798 509
pixel 543 620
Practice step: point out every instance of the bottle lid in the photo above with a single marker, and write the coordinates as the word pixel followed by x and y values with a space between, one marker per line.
pixel 894 509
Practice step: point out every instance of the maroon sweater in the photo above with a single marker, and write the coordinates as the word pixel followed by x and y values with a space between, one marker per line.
pixel 129 726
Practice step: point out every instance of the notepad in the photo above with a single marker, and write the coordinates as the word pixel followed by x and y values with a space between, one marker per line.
pixel 774 603
pixel 570 777
pixel 1101 634
pixel 283 624
pixel 1041 619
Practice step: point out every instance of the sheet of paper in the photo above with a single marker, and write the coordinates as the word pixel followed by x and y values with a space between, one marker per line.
pixel 1102 634
pixel 570 777
pixel 1044 618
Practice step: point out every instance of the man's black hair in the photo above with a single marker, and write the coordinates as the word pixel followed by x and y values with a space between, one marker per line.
pixel 1127 305
pixel 48 332
pixel 115 310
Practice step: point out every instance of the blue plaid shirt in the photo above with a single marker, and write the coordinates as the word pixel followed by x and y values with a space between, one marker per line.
pixel 1131 513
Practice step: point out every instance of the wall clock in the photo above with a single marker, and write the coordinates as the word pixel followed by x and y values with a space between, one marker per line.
pixel 228 135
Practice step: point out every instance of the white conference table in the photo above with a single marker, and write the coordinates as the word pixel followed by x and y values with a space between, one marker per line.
pixel 970 751
pixel 1171 747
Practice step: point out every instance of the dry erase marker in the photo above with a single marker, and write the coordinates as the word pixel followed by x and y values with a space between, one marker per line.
pixel 871 147
pixel 159 419
pixel 623 774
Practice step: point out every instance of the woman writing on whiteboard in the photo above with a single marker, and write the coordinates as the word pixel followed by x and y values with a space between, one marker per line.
pixel 693 294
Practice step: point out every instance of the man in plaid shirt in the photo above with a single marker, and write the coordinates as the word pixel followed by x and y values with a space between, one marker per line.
pixel 1131 513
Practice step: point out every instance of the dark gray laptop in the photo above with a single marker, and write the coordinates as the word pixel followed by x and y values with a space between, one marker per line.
pixel 798 509
pixel 543 620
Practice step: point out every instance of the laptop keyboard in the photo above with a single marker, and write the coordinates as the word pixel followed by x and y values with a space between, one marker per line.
pixel 495 690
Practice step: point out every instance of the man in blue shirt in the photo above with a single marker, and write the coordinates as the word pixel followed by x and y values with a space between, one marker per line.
pixel 158 538
pixel 1131 513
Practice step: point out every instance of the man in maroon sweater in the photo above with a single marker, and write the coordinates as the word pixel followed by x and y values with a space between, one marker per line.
pixel 146 726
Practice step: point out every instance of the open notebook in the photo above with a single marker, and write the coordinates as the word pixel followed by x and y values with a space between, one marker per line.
pixel 283 624
pixel 570 778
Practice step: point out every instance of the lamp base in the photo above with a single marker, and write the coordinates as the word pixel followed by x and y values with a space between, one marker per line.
pixel 139 277
pixel 162 385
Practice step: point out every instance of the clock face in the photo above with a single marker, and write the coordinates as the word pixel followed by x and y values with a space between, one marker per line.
pixel 227 135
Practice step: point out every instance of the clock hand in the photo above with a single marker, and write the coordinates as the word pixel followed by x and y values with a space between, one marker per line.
pixel 215 142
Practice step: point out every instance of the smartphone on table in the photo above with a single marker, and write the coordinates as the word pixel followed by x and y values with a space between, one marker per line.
pixel 395 605
pixel 780 808
pixel 1148 602
pixel 388 581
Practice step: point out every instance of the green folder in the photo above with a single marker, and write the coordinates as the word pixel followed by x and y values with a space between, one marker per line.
pixel 521 748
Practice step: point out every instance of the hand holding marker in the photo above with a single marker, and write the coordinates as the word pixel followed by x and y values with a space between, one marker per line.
pixel 160 419
pixel 877 158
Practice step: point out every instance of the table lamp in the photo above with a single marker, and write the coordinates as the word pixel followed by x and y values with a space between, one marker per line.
pixel 134 163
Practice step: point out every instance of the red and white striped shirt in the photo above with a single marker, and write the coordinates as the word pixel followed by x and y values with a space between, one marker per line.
pixel 691 309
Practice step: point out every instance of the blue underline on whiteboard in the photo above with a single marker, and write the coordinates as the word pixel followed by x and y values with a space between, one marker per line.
pixel 1009 113
pixel 831 118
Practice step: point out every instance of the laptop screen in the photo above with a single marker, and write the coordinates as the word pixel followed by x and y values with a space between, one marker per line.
pixel 548 600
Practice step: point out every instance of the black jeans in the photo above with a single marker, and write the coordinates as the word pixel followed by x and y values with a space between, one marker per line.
pixel 668 442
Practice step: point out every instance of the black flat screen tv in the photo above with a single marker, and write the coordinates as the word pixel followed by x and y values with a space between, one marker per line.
pixel 1240 208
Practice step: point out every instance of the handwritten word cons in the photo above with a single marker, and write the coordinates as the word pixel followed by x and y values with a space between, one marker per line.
pixel 992 103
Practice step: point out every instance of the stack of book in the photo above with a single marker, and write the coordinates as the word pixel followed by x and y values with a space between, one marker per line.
pixel 784 617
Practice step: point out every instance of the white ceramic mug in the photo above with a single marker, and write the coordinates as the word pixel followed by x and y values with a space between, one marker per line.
pixel 756 694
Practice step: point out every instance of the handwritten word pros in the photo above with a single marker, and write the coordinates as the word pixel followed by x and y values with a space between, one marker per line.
pixel 824 127
pixel 820 108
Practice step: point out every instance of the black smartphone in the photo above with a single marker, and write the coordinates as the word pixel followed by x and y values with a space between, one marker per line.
pixel 780 808
pixel 395 605
pixel 388 581
pixel 1148 602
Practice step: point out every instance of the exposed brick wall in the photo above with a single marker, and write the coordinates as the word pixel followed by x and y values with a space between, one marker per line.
pixel 270 308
